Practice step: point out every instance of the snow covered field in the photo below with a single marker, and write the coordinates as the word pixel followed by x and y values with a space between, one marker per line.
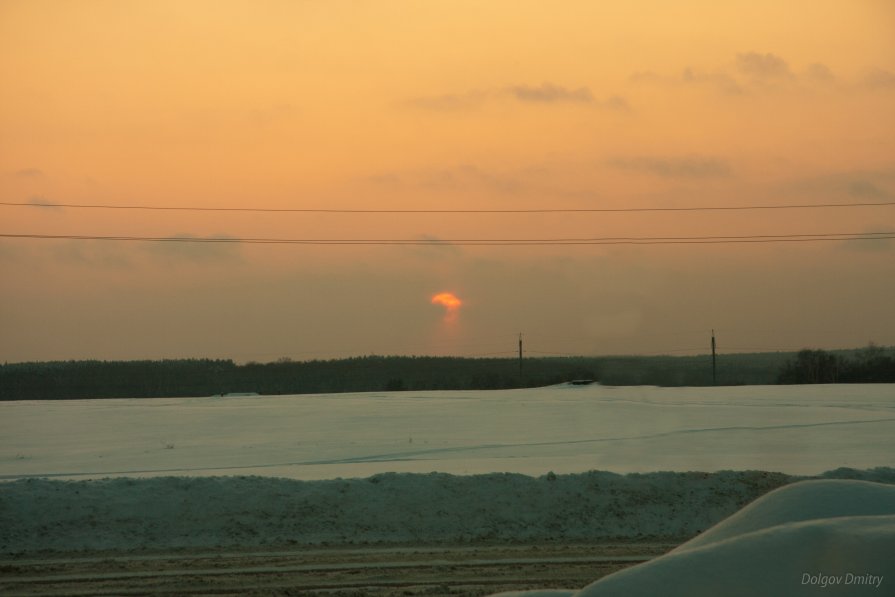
pixel 370 469
pixel 800 430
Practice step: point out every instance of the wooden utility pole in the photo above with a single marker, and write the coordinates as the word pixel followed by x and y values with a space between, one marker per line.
pixel 520 358
pixel 714 368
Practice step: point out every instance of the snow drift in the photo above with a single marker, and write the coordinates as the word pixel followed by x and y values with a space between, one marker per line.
pixel 209 512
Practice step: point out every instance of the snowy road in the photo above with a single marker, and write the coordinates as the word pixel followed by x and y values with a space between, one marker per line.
pixel 383 572
pixel 792 429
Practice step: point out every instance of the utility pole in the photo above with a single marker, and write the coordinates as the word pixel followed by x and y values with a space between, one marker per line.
pixel 714 368
pixel 520 358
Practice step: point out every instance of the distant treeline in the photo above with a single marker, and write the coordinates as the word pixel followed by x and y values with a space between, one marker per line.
pixel 61 380
pixel 868 365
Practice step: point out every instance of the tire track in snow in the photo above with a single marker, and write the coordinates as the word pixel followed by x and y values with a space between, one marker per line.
pixel 410 455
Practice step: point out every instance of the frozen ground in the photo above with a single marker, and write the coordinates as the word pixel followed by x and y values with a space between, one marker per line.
pixel 801 430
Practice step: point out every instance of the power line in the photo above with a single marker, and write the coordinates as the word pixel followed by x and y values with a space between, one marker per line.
pixel 656 240
pixel 447 211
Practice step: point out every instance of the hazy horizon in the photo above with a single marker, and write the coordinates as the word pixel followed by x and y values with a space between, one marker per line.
pixel 508 355
pixel 501 106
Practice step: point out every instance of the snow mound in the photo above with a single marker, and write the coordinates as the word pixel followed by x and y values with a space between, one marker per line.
pixel 839 556
pixel 815 537
pixel 807 500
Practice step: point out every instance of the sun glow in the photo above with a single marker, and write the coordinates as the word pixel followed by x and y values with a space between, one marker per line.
pixel 451 304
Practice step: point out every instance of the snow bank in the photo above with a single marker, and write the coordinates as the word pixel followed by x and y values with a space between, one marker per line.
pixel 816 537
pixel 208 512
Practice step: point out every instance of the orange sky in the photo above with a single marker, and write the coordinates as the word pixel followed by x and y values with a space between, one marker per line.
pixel 443 105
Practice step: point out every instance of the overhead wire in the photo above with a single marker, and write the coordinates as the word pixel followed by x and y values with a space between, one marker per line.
pixel 645 240
pixel 624 240
pixel 447 211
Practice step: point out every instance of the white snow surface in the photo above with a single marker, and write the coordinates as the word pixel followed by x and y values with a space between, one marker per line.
pixel 827 537
pixel 802 430
pixel 455 467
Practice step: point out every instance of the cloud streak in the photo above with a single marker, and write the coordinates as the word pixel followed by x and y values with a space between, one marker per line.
pixel 879 79
pixel 865 189
pixel 869 245
pixel 720 81
pixel 697 167
pixel 546 93
pixel 43 202
pixel 459 178
pixel 449 102
pixel 91 254
pixel 434 248
pixel 766 66
pixel 217 248
pixel 29 173
pixel 468 176
pixel 756 71
pixel 690 77
pixel 819 73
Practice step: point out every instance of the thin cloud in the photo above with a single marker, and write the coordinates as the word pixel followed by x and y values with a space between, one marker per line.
pixel 869 245
pixel 467 176
pixel 434 248
pixel 819 73
pixel 384 178
pixel 866 190
pixel 615 102
pixel 127 255
pixel 471 178
pixel 763 66
pixel 449 102
pixel 549 93
pixel 646 76
pixel 544 94
pixel 752 71
pixel 77 253
pixel 879 79
pixel 29 173
pixel 43 202
pixel 719 80
pixel 91 254
pixel 216 248
pixel 846 186
pixel 674 167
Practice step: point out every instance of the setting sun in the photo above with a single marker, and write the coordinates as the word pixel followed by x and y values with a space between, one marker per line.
pixel 450 302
